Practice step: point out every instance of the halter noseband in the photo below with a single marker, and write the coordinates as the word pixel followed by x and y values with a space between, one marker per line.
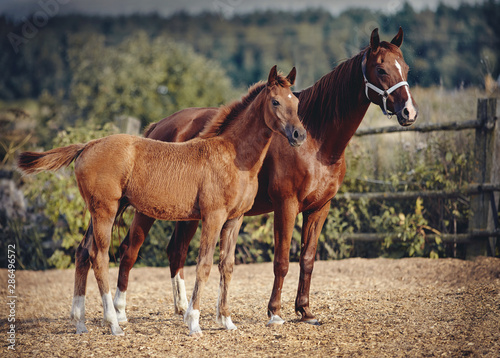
pixel 384 93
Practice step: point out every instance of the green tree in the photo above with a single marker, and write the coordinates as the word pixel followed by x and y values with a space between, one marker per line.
pixel 140 77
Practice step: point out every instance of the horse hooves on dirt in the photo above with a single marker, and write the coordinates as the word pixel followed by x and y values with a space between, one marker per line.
pixel 275 321
pixel 313 322
pixel 198 334
pixel 117 331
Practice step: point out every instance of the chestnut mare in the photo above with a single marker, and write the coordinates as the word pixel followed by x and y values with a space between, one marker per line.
pixel 212 178
pixel 292 181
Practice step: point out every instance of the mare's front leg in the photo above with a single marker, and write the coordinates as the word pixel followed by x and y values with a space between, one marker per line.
pixel 211 228
pixel 82 266
pixel 129 250
pixel 285 212
pixel 177 251
pixel 311 229
pixel 229 236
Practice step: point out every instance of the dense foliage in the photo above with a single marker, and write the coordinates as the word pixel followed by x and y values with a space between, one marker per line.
pixel 449 46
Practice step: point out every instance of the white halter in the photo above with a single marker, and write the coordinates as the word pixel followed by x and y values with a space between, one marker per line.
pixel 384 93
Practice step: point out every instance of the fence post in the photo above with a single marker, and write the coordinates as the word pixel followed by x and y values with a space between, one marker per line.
pixel 487 170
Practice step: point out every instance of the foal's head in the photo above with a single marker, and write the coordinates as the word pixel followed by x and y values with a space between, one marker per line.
pixel 386 72
pixel 281 107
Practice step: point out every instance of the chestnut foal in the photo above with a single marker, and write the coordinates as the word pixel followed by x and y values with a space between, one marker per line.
pixel 212 178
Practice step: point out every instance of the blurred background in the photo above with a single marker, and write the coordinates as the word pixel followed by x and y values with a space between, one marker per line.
pixel 73 71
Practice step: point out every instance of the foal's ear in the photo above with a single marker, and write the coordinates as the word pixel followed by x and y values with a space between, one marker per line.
pixel 398 39
pixel 273 75
pixel 375 41
pixel 291 76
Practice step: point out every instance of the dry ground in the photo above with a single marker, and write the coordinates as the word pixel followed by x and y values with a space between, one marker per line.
pixel 375 308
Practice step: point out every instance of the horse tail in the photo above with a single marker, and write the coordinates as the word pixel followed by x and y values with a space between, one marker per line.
pixel 54 159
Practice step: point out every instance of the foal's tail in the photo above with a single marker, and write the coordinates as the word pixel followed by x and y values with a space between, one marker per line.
pixel 54 159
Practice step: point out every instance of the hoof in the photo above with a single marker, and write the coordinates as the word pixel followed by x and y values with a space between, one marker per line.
pixel 122 317
pixel 313 322
pixel 226 322
pixel 196 334
pixel 180 310
pixel 117 331
pixel 275 321
pixel 81 329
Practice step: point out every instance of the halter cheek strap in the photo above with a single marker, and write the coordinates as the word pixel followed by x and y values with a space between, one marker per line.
pixel 383 93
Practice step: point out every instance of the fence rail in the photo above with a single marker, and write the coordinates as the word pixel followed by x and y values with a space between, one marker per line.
pixel 484 228
pixel 472 189
pixel 430 127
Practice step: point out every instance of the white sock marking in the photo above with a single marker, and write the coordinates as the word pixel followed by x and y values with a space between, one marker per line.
pixel 78 314
pixel 180 297
pixel 120 302
pixel 109 314
pixel 192 319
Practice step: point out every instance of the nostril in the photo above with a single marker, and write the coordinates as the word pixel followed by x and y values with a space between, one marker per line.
pixel 296 134
pixel 406 112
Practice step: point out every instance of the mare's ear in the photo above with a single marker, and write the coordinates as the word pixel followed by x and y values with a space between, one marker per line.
pixel 398 39
pixel 291 76
pixel 273 75
pixel 375 41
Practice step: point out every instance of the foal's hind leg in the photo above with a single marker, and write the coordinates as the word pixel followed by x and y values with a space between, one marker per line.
pixel 129 250
pixel 103 223
pixel 177 250
pixel 82 263
pixel 229 236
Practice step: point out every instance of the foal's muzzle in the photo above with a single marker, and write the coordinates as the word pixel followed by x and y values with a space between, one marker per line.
pixel 296 136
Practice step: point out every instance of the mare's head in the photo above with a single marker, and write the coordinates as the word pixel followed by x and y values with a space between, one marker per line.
pixel 386 73
pixel 281 107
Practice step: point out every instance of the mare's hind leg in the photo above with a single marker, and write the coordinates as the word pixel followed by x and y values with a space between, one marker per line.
pixel 211 228
pixel 177 250
pixel 103 223
pixel 82 263
pixel 129 250
pixel 229 236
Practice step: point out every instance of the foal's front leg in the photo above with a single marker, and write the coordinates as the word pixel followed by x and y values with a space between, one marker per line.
pixel 211 228
pixel 229 236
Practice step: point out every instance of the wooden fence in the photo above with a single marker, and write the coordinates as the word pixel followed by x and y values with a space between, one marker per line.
pixel 484 228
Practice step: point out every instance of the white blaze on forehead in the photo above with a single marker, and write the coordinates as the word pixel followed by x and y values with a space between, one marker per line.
pixel 409 103
pixel 289 96
pixel 400 69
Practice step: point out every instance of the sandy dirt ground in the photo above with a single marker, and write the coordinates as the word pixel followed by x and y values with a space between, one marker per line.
pixel 367 308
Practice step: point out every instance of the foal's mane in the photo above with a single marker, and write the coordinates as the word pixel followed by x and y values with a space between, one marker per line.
pixel 227 114
pixel 333 97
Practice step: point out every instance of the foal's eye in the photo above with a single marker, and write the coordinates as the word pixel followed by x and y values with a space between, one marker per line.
pixel 381 71
pixel 275 103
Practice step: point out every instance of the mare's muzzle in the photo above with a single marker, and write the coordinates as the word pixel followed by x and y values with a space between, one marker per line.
pixel 407 116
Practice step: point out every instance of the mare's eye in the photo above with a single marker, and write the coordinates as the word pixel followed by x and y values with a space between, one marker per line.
pixel 381 71
pixel 275 103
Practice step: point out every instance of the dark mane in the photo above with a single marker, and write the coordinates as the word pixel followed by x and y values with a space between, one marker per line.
pixel 333 97
pixel 226 114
